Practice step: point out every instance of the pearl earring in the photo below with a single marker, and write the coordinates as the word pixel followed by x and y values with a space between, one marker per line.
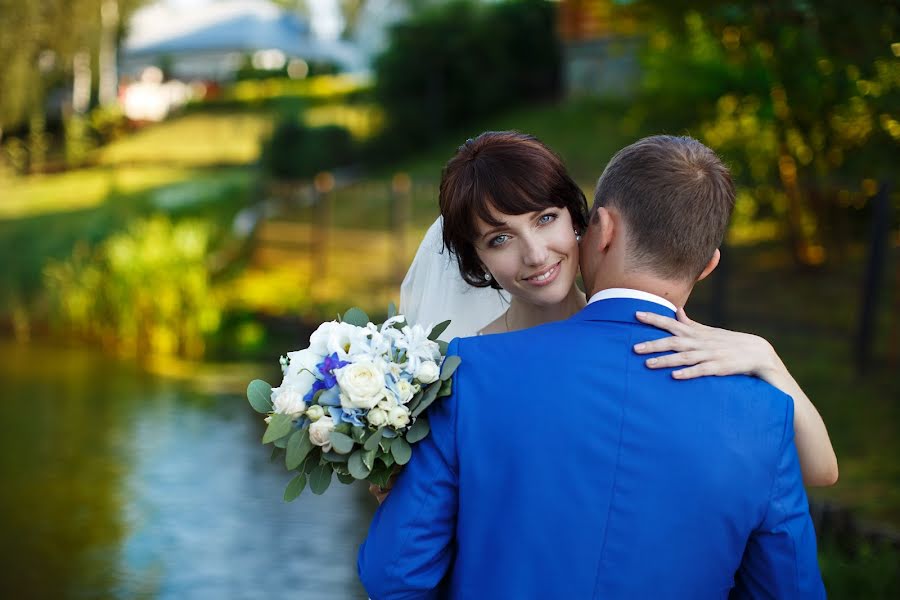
pixel 577 236
pixel 487 276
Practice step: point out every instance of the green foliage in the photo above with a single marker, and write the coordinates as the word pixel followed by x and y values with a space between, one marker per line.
pixel 295 150
pixel 456 62
pixel 294 487
pixel 418 431
pixel 259 393
pixel 869 572
pixel 279 426
pixel 801 98
pixel 144 290
pixel 401 451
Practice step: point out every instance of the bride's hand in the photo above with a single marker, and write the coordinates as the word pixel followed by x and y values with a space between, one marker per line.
pixel 707 350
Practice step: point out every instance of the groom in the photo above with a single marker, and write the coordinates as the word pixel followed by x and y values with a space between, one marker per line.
pixel 562 467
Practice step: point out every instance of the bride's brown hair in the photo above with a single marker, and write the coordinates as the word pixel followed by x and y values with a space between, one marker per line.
pixel 510 171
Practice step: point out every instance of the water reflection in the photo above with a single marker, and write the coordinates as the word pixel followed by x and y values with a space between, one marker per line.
pixel 120 484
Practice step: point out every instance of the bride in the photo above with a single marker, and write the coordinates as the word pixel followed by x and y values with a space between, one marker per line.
pixel 503 256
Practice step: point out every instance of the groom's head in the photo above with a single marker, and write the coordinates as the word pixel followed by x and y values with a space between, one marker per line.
pixel 660 210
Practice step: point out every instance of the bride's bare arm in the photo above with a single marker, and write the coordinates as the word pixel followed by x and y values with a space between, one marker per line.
pixel 711 351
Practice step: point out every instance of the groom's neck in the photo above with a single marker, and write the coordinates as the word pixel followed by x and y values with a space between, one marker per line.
pixel 676 292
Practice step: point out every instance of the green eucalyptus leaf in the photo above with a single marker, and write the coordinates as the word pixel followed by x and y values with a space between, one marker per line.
pixel 401 451
pixel 443 347
pixel 387 459
pixel 334 457
pixel 298 448
pixel 356 466
pixel 312 461
pixel 294 487
pixel 368 457
pixel 450 365
pixel 437 330
pixel 279 426
pixel 281 443
pixel 373 440
pixel 259 393
pixel 430 394
pixel 275 452
pixel 320 479
pixel 418 431
pixel 343 428
pixel 446 388
pixel 412 404
pixel 358 434
pixel 345 478
pixel 392 310
pixel 380 477
pixel 385 443
pixel 342 444
pixel 357 317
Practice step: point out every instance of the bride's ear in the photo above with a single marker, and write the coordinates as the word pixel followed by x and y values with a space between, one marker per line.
pixel 711 265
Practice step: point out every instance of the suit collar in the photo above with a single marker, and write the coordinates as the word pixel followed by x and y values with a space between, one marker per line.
pixel 620 309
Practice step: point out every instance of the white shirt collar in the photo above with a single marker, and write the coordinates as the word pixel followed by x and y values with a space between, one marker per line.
pixel 629 293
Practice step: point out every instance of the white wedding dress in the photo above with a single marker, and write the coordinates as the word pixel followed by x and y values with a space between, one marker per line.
pixel 434 291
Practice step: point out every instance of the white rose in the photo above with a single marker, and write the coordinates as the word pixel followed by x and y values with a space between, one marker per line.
pixel 362 384
pixel 399 417
pixel 428 372
pixel 315 412
pixel 377 417
pixel 405 391
pixel 319 433
pixel 288 400
pixel 387 403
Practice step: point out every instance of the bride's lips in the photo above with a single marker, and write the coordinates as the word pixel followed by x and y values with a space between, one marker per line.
pixel 544 276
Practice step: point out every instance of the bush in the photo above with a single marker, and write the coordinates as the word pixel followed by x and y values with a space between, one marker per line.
pixel 145 290
pixel 458 62
pixel 296 151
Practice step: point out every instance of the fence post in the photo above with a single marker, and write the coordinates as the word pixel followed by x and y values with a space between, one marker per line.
pixel 874 277
pixel 324 186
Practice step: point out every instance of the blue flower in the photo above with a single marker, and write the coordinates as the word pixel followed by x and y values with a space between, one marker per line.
pixel 352 416
pixel 327 367
pixel 330 397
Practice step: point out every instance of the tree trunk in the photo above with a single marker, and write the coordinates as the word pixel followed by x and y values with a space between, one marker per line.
pixel 108 76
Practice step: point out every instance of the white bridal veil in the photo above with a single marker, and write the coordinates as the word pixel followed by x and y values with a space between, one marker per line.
pixel 434 291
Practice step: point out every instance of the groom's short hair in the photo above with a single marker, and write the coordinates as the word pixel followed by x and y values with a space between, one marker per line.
pixel 676 196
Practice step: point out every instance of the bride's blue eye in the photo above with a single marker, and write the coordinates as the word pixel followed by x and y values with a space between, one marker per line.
pixel 498 241
pixel 548 218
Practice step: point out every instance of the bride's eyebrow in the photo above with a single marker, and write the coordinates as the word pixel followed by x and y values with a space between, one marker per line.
pixel 503 225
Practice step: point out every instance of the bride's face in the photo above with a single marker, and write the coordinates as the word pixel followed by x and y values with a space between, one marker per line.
pixel 533 256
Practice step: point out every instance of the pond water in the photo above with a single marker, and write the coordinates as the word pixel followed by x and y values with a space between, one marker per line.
pixel 121 484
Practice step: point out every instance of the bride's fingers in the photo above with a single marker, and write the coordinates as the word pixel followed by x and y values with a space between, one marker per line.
pixel 678 360
pixel 667 323
pixel 666 344
pixel 704 369
pixel 682 317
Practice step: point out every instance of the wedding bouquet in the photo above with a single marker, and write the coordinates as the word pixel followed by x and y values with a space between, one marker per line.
pixel 352 402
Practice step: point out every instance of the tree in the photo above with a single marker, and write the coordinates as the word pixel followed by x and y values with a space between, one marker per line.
pixel 801 95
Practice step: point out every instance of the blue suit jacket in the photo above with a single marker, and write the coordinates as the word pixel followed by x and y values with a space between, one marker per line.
pixel 562 467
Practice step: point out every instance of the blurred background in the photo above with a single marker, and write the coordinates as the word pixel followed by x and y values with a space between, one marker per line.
pixel 187 187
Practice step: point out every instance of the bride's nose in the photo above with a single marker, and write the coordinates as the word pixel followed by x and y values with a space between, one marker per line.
pixel 534 251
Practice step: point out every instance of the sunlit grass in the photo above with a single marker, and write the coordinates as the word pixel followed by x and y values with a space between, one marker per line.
pixel 36 195
pixel 195 139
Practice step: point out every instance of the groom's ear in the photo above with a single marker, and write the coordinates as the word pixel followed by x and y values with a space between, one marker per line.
pixel 607 227
pixel 711 265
